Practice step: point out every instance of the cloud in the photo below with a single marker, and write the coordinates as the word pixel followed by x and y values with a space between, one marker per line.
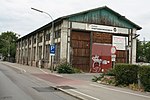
pixel 16 15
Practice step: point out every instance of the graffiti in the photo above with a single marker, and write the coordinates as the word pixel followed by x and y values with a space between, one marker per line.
pixel 97 62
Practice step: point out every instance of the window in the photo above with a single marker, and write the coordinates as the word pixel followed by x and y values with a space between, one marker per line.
pixel 47 36
pixel 40 39
pixel 47 52
pixel 29 54
pixel 25 42
pixel 40 52
pixel 21 55
pixel 34 39
pixel 57 53
pixel 22 43
pixel 57 33
pixel 19 51
pixel 26 53
pixel 34 51
pixel 30 41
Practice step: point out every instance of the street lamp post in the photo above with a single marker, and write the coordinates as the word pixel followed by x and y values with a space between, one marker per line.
pixel 52 41
pixel 50 17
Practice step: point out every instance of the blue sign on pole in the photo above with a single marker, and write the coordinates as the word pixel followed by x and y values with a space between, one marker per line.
pixel 52 50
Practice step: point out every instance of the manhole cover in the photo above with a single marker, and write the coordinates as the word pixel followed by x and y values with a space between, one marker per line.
pixel 45 89
pixel 66 87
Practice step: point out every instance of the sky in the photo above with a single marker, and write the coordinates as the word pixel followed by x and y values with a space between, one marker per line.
pixel 17 15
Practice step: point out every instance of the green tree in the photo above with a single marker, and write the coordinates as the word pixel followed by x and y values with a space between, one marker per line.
pixel 8 44
pixel 143 51
pixel 147 51
pixel 140 52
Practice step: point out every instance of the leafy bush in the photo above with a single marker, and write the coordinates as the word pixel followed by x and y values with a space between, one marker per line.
pixel 110 72
pixel 97 78
pixel 144 73
pixel 76 70
pixel 65 68
pixel 126 74
pixel 108 80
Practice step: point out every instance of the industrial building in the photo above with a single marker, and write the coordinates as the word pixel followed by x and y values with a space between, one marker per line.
pixel 84 39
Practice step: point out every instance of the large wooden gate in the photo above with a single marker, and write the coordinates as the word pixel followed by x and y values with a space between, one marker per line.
pixel 80 44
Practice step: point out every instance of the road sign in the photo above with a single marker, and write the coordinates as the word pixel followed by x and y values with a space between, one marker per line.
pixel 52 50
pixel 113 50
pixel 113 57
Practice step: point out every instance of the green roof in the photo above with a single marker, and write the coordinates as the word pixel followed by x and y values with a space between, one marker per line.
pixel 98 15
pixel 101 15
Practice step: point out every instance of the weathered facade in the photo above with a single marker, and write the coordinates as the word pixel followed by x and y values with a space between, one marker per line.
pixel 84 39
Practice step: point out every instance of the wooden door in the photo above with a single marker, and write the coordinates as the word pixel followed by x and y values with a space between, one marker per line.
pixel 80 44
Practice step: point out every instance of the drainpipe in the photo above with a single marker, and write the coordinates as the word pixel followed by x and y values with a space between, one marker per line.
pixel 131 46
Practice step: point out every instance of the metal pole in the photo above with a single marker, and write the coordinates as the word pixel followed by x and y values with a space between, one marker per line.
pixel 43 12
pixel 126 49
pixel 139 82
pixel 52 41
pixel 131 46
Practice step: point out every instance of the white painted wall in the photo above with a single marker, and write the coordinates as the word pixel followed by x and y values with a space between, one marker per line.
pixel 63 39
pixel 134 47
pixel 69 48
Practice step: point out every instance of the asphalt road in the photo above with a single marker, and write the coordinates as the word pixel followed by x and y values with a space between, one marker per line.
pixel 20 82
pixel 17 85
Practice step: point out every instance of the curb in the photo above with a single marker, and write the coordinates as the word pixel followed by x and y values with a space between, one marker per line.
pixel 71 94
